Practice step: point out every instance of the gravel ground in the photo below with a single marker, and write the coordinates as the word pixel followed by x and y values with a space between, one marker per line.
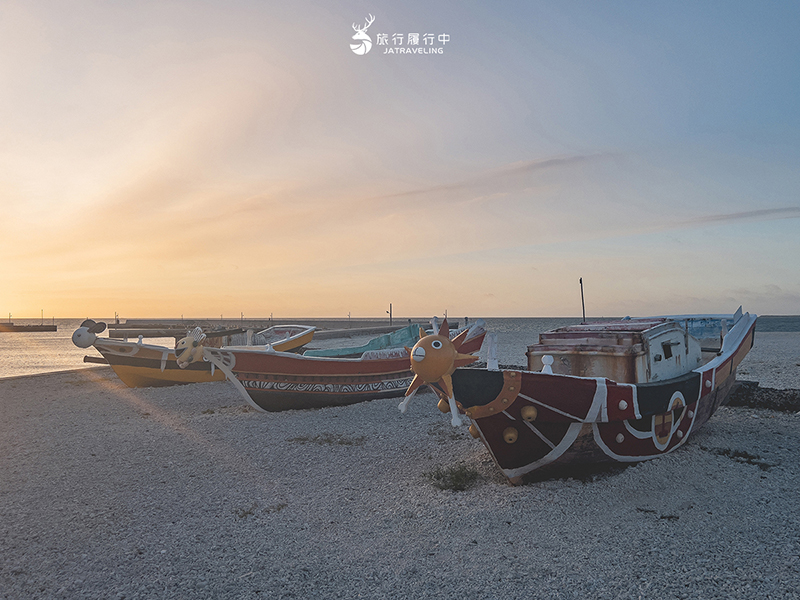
pixel 774 361
pixel 184 492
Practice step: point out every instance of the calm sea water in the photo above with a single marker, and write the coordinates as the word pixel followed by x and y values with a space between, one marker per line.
pixel 45 352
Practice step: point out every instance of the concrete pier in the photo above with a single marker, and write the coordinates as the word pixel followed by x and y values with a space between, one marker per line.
pixel 10 327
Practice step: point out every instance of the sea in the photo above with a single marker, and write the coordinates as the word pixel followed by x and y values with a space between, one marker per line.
pixel 31 353
pixel 48 352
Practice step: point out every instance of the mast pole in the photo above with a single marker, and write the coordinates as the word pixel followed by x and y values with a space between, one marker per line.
pixel 583 304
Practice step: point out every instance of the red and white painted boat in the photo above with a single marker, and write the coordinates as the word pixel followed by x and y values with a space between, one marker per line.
pixel 275 381
pixel 622 391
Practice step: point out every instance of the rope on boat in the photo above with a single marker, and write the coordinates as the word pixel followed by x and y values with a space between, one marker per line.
pixel 215 360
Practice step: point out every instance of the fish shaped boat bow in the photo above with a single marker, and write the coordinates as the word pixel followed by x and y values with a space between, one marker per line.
pixel 434 358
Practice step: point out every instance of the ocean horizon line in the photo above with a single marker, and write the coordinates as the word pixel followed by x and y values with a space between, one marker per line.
pixel 367 318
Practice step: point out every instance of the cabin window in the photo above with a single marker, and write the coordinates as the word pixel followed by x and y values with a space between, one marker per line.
pixel 667 348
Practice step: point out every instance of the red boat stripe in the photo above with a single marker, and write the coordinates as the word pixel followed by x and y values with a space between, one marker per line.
pixel 548 407
pixel 543 438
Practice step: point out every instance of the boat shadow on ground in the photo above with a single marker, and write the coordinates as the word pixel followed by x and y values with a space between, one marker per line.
pixel 585 473
pixel 749 394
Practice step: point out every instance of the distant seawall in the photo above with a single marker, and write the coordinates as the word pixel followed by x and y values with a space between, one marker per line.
pixel 263 323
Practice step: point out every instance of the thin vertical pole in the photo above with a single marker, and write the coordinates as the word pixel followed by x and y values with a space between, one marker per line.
pixel 583 304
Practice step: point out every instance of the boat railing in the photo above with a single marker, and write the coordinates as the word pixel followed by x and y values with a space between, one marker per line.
pixel 385 353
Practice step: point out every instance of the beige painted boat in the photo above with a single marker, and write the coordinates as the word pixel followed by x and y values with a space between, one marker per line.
pixel 148 365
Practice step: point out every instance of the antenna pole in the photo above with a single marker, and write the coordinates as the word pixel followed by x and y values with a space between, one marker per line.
pixel 583 304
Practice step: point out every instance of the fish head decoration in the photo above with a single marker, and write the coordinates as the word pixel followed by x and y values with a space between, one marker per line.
pixel 434 358
pixel 86 335
pixel 190 348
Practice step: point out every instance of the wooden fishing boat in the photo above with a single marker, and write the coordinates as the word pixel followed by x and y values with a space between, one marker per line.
pixel 283 338
pixel 139 364
pixel 621 391
pixel 149 365
pixel 276 381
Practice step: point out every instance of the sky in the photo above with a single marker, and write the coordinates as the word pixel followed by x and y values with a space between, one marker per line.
pixel 207 158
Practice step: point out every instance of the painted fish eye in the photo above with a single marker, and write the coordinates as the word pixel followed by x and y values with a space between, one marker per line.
pixel 436 344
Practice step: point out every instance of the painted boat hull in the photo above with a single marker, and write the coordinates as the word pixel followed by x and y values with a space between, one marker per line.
pixel 275 392
pixel 532 420
pixel 277 381
pixel 145 365
pixel 282 381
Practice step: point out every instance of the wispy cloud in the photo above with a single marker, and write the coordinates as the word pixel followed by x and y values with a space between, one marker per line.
pixel 765 214
pixel 501 177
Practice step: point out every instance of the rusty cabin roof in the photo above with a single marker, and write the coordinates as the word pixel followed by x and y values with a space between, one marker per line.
pixel 603 334
pixel 622 325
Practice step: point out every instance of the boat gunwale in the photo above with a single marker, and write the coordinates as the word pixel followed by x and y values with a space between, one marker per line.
pixel 107 340
pixel 259 350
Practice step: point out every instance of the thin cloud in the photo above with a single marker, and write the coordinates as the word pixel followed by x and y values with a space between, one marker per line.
pixel 501 251
pixel 766 214
pixel 498 175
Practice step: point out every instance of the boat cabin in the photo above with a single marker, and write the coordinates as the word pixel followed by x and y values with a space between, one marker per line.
pixel 626 351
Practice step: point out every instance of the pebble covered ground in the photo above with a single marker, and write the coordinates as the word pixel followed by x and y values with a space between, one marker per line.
pixel 185 492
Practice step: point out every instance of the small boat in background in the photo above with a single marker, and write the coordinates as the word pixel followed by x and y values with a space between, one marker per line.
pixel 139 364
pixel 282 338
pixel 616 391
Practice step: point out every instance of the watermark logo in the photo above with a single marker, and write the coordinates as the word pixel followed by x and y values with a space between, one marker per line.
pixel 398 43
pixel 363 41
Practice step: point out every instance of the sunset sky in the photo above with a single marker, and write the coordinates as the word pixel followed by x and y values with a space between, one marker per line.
pixel 206 158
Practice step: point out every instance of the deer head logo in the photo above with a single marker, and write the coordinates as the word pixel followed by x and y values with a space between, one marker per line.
pixel 363 41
